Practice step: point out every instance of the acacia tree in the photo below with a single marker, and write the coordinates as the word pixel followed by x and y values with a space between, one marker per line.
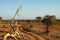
pixel 38 18
pixel 0 18
pixel 49 20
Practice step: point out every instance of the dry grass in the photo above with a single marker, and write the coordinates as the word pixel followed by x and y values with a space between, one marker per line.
pixel 37 29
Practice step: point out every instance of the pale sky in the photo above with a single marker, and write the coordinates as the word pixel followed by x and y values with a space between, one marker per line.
pixel 30 8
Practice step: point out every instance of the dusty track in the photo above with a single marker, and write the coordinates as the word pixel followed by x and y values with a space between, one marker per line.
pixel 32 36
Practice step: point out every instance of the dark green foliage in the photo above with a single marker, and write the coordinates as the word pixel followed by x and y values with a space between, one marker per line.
pixel 27 20
pixel 49 19
pixel 38 18
pixel 0 18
